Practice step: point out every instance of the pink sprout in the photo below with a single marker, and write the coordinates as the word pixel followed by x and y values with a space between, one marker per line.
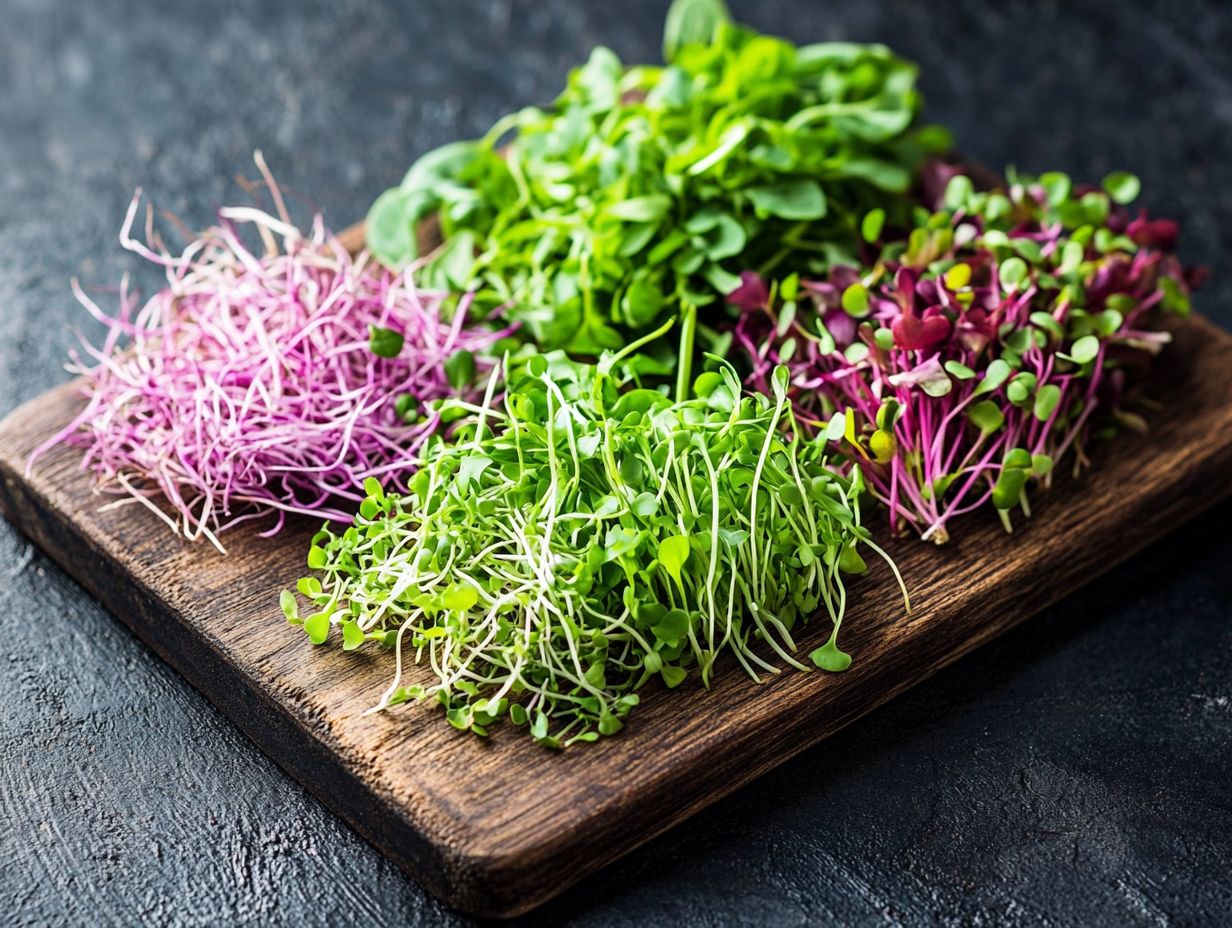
pixel 246 387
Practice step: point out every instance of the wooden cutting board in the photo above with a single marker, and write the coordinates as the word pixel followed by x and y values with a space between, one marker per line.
pixel 497 827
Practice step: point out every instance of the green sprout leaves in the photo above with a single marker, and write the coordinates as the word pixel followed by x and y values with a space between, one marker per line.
pixel 800 198
pixel 829 657
pixel 673 552
pixel 692 22
pixel 587 541
pixel 1122 187
pixel 642 193
pixel 384 343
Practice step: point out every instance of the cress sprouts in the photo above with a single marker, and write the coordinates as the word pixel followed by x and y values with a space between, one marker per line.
pixel 574 541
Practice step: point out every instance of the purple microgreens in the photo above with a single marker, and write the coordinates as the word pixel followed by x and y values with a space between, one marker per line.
pixel 975 350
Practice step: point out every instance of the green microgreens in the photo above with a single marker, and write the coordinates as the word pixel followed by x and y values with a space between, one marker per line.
pixel 575 540
pixel 642 191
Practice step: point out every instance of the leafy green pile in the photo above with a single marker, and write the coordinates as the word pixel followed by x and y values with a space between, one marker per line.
pixel 642 191
pixel 575 541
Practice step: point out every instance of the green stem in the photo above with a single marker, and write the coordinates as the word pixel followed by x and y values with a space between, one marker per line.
pixel 684 368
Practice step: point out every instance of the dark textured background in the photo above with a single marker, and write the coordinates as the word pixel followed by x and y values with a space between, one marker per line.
pixel 1074 772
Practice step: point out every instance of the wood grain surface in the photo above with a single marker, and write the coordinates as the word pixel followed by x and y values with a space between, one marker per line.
pixel 496 827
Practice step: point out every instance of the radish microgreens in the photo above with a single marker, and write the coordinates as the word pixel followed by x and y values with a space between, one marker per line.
pixel 975 349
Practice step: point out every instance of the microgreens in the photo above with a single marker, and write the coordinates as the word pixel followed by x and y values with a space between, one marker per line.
pixel 574 541
pixel 970 352
pixel 636 196
pixel 264 381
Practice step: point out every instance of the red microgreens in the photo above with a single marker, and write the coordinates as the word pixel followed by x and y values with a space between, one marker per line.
pixel 979 348
pixel 262 383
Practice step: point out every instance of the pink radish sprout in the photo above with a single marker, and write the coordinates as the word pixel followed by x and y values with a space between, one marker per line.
pixel 257 384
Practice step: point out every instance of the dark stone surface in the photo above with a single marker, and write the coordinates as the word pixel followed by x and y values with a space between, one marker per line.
pixel 1074 772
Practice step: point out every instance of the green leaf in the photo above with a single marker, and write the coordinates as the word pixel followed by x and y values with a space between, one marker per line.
pixel 997 373
pixel 958 191
pixel 1007 491
pixel 650 208
pixel 1085 349
pixel 936 384
pixel 460 369
pixel 460 597
pixel 1095 205
pixel 455 261
pixel 673 676
pixel 644 505
pixel 290 607
pixel 790 199
pixel 733 137
pixel 986 416
pixel 317 627
pixel 1046 322
pixel 829 657
pixel 316 557
pixel 390 228
pixel 872 224
pixel 880 173
pixel 384 343
pixel 1122 187
pixel 672 627
pixel 1056 186
pixel 439 165
pixel 837 426
pixel 406 407
pixel 1046 400
pixel 1072 256
pixel 673 553
pixel 1018 458
pixel 722 280
pixel 1020 388
pixel 1013 272
pixel 620 541
pixel 850 561
pixel 888 414
pixel 471 468
pixel 1109 322
pixel 855 300
pixel 958 277
pixel 1176 300
pixel 725 239
pixel 352 635
pixel 692 22
pixel 539 727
